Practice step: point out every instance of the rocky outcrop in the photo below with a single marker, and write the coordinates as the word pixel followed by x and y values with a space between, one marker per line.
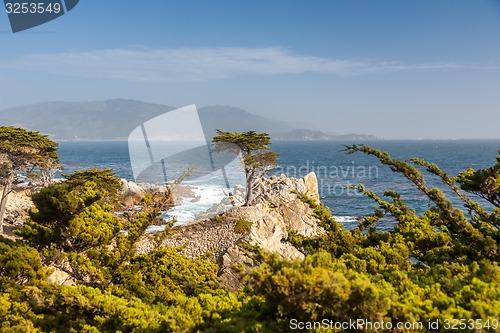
pixel 278 210
pixel 18 205
pixel 196 239
pixel 275 211
pixel 231 264
pixel 131 193
pixel 60 277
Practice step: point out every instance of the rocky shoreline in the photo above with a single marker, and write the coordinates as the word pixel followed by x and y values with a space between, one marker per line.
pixel 275 212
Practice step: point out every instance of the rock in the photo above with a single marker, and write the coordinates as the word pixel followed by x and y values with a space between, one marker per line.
pixel 233 260
pixel 131 188
pixel 131 192
pixel 276 191
pixel 311 183
pixel 61 278
pixel 198 238
pixel 275 212
pixel 153 188
pixel 18 205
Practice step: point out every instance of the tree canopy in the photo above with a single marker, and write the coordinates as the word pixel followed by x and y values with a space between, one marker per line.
pixel 257 156
pixel 22 151
pixel 76 214
pixel 483 182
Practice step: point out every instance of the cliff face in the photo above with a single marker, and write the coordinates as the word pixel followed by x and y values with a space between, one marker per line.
pixel 278 210
pixel 274 213
pixel 18 205
pixel 16 211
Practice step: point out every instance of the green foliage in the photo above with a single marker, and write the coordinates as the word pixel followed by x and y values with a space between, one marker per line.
pixel 21 271
pixel 103 180
pixel 76 214
pixel 19 264
pixel 335 240
pixel 452 235
pixel 319 287
pixel 159 276
pixel 484 182
pixel 257 156
pixel 74 226
pixel 242 226
pixel 21 149
pixel 157 292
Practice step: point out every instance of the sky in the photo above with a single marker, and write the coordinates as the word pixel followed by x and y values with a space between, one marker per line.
pixel 392 68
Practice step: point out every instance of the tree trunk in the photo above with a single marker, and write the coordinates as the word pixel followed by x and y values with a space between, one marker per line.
pixel 3 203
pixel 249 195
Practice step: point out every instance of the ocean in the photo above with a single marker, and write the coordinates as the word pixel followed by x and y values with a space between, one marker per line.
pixel 335 170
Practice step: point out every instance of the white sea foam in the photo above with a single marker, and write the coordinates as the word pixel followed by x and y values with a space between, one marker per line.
pixel 187 209
pixel 346 219
pixel 155 228
pixel 209 190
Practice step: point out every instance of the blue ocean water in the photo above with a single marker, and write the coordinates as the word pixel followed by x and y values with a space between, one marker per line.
pixel 335 169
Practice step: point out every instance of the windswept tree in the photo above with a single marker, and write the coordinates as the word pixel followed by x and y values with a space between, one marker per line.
pixel 483 182
pixel 75 227
pixel 76 214
pixel 22 152
pixel 257 156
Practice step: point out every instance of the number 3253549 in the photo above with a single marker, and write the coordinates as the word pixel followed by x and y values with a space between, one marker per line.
pixel 32 8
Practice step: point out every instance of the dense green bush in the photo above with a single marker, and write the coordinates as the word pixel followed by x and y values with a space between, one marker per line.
pixel 76 214
pixel 242 226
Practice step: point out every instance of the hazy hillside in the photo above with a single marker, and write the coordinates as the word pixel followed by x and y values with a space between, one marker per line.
pixel 238 120
pixel 309 135
pixel 111 119
pixel 115 119
pixel 302 134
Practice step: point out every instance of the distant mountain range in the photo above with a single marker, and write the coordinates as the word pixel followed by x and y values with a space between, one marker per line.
pixel 311 135
pixel 115 119
pixel 234 119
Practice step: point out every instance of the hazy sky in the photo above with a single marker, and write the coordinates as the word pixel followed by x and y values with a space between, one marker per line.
pixel 396 69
